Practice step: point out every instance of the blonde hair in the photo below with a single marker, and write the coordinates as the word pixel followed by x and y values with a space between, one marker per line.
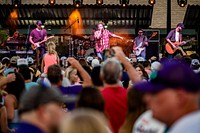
pixel 85 121
pixel 51 47
pixel 68 72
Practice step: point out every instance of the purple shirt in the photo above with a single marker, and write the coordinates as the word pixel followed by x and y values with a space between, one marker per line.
pixel 25 127
pixel 172 36
pixel 71 90
pixel 38 35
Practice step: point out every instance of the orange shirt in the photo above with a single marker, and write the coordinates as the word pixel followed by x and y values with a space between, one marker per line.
pixel 49 59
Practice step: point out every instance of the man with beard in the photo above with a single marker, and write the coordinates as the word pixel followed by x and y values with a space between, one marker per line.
pixel 172 94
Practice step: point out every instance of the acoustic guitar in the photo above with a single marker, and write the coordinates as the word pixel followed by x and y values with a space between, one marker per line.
pixel 37 45
pixel 137 51
pixel 171 50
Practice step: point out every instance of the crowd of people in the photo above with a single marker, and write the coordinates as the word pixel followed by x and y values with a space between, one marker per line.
pixel 117 95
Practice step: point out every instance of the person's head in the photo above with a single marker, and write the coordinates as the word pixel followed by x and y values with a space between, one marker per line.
pixel 111 71
pixel 95 76
pixel 42 105
pixel 90 97
pixel 16 35
pixel 83 62
pixel 173 89
pixel 100 26
pixel 84 121
pixel 5 61
pixel 25 71
pixel 72 75
pixel 16 87
pixel 180 27
pixel 54 75
pixel 141 71
pixel 51 47
pixel 39 24
pixel 136 106
pixel 13 61
pixel 140 32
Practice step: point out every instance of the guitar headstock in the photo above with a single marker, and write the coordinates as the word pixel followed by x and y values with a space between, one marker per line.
pixel 154 34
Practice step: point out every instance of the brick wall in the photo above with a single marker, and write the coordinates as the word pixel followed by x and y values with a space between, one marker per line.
pixel 159 13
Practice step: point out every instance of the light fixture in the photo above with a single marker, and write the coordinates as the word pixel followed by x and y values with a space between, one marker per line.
pixel 16 3
pixel 182 3
pixel 152 2
pixel 77 3
pixel 52 2
pixel 99 2
pixel 124 2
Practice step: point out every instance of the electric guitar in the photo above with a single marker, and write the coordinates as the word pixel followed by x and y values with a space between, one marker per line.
pixel 37 45
pixel 171 50
pixel 137 51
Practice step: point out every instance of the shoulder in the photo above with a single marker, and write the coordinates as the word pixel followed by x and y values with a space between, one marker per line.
pixel 189 123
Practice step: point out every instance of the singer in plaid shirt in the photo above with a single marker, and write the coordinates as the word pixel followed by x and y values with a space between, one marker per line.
pixel 102 39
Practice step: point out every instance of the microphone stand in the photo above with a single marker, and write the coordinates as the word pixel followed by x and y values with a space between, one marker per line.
pixel 71 45
pixel 26 43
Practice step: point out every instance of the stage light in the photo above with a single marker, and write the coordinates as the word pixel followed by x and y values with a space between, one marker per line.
pixel 124 2
pixel 52 2
pixel 16 3
pixel 182 3
pixel 77 3
pixel 99 2
pixel 152 2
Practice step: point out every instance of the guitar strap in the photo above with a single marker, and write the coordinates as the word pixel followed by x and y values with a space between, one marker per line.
pixel 42 35
pixel 143 41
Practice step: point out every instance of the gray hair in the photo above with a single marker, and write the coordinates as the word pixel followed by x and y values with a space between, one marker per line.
pixel 111 71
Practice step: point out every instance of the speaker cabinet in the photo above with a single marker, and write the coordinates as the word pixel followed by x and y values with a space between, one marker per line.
pixel 152 50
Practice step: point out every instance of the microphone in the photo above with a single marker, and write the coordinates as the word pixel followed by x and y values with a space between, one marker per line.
pixel 77 19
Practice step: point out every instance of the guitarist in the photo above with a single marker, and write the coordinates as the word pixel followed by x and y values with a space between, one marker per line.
pixel 140 41
pixel 37 35
pixel 176 36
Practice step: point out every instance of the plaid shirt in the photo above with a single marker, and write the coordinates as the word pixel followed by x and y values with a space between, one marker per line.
pixel 103 42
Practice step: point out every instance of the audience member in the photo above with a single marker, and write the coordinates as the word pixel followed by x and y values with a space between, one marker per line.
pixel 40 110
pixel 50 58
pixel 173 95
pixel 85 121
pixel 90 97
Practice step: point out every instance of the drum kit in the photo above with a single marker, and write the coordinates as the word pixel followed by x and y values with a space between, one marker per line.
pixel 81 46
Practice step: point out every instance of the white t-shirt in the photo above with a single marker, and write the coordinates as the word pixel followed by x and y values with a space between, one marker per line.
pixel 147 124
pixel 177 37
pixel 187 124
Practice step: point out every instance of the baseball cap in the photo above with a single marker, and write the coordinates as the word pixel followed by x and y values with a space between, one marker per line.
pixel 173 74
pixel 41 95
pixel 89 59
pixel 195 62
pixel 95 62
pixel 181 25
pixel 39 22
pixel 140 59
pixel 22 61
pixel 14 59
pixel 30 60
pixel 155 65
